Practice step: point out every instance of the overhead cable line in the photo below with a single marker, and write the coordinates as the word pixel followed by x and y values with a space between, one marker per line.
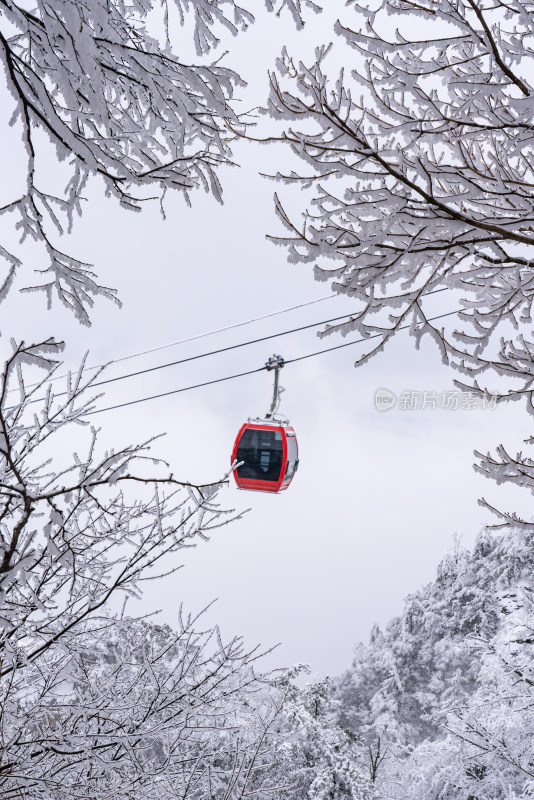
pixel 252 371
pixel 228 328
pixel 212 333
pixel 205 355
pixel 176 391
pixel 358 341
pixel 220 350
pixel 204 335
pixel 223 350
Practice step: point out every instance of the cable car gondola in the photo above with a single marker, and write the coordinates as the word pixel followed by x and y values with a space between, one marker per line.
pixel 266 450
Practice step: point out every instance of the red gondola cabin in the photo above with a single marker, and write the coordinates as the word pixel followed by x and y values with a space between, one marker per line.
pixel 269 453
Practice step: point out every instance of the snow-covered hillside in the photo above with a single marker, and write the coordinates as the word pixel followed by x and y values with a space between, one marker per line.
pixel 443 696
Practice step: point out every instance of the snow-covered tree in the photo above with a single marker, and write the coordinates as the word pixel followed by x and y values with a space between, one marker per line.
pixel 127 709
pixel 312 756
pixel 395 692
pixel 446 687
pixel 488 749
pixel 412 139
pixel 93 704
pixel 109 85
pixel 413 134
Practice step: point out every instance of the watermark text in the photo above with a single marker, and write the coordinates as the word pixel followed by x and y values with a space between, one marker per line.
pixel 434 400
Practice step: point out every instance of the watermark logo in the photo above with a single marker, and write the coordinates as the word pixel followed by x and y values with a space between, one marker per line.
pixel 433 399
pixel 384 400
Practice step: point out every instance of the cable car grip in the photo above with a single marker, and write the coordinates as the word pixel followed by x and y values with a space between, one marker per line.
pixel 275 363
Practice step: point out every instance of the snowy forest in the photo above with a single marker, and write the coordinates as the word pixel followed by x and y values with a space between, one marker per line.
pixel 402 138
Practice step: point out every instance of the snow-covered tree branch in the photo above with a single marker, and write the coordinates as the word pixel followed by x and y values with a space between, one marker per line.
pixel 313 757
pixel 74 535
pixel 128 709
pixel 448 684
pixel 487 751
pixel 416 158
pixel 94 704
pixel 102 80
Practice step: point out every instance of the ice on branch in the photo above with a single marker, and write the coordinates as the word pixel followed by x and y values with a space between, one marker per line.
pixel 413 173
pixel 107 84
pixel 91 701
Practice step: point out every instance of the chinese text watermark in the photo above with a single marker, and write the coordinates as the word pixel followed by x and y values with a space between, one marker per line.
pixel 433 399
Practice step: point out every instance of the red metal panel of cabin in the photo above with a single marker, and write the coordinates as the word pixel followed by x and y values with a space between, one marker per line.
pixel 263 486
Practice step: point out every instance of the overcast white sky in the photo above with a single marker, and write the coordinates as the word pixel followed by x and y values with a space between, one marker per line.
pixel 379 497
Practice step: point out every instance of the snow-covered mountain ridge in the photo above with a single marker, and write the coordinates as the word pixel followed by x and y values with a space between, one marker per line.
pixel 443 696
